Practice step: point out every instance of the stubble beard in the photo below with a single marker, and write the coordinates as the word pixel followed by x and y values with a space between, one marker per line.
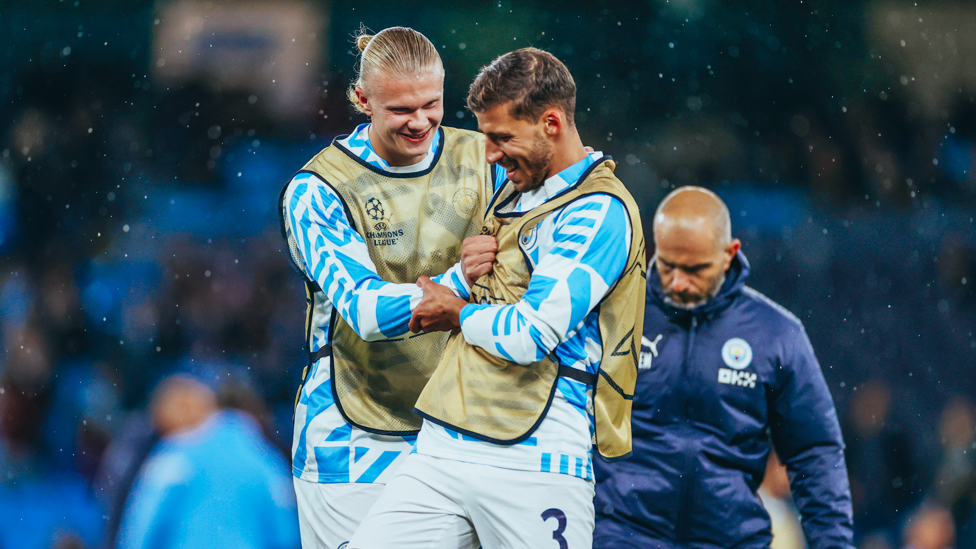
pixel 669 296
pixel 535 168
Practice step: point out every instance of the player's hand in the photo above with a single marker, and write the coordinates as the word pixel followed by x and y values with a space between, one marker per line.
pixel 477 257
pixel 438 311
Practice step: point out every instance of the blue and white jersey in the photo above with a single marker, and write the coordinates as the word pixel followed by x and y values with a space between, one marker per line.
pixel 325 447
pixel 578 253
pixel 358 143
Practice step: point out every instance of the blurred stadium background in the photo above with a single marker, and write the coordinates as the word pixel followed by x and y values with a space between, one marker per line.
pixel 143 146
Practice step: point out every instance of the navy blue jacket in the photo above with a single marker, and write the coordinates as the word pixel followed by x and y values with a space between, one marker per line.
pixel 714 386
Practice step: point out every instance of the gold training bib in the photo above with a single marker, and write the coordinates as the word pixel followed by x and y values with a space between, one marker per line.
pixel 413 225
pixel 499 401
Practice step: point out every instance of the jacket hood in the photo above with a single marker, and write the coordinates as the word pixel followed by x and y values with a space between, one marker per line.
pixel 735 280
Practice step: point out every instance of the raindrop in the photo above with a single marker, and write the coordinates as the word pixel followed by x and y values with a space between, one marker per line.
pixel 800 126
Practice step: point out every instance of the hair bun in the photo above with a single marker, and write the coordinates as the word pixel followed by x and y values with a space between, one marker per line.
pixel 362 41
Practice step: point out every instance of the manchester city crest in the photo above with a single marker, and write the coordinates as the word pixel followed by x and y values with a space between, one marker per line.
pixel 527 239
pixel 736 353
pixel 465 201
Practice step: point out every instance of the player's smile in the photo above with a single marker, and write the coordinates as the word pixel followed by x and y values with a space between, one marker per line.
pixel 415 138
pixel 511 167
pixel 520 146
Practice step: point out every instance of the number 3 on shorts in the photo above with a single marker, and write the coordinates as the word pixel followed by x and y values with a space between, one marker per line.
pixel 560 526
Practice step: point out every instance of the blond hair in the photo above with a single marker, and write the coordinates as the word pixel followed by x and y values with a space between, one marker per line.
pixel 396 52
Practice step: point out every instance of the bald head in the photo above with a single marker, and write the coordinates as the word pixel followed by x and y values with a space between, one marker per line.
pixel 181 402
pixel 694 246
pixel 696 213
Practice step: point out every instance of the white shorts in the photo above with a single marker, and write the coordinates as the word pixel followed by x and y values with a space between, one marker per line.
pixel 328 514
pixel 433 503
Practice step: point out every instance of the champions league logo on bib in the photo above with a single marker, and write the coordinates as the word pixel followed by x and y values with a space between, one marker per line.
pixel 382 236
pixel 375 209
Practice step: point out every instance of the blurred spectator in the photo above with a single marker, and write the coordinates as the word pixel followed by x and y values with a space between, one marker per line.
pixel 955 483
pixel 930 527
pixel 25 390
pixel 783 515
pixel 884 477
pixel 213 480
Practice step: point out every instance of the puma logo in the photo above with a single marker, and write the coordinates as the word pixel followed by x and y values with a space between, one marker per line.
pixel 648 357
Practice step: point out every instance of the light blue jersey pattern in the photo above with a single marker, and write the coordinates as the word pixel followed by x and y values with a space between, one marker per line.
pixel 325 447
pixel 577 254
pixel 358 144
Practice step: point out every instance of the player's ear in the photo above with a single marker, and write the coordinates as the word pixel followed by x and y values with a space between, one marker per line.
pixel 733 248
pixel 363 101
pixel 554 121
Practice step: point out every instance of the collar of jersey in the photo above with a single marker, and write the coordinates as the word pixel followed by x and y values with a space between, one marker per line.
pixel 553 186
pixel 357 144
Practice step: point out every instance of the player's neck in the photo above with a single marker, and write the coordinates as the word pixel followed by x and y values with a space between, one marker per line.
pixel 568 150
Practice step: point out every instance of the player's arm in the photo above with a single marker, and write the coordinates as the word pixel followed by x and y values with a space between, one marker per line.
pixel 806 434
pixel 587 255
pixel 336 257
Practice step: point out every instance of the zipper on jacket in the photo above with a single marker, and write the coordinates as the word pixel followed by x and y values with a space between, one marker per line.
pixel 681 528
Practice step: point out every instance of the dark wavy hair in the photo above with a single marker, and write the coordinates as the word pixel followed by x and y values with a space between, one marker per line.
pixel 530 79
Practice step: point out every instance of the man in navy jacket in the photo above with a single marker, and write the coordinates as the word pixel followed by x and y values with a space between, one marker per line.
pixel 724 372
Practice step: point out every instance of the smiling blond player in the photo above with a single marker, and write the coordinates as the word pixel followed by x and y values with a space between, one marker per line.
pixel 364 219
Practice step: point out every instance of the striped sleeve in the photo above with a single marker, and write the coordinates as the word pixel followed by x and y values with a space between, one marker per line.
pixel 584 253
pixel 336 257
